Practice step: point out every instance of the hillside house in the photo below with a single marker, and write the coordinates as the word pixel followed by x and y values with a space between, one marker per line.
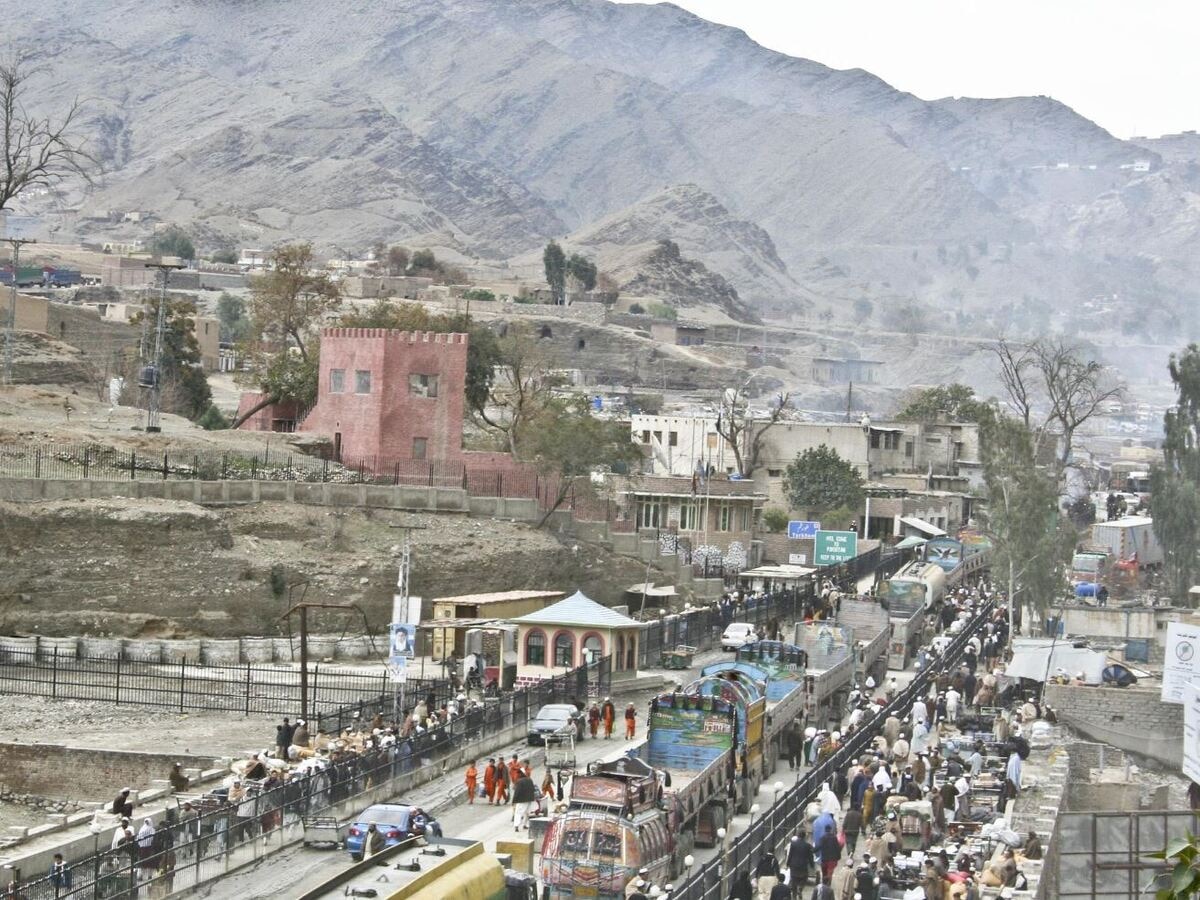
pixel 681 334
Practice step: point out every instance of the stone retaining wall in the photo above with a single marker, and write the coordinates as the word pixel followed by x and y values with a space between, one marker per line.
pixel 1133 719
pixel 54 771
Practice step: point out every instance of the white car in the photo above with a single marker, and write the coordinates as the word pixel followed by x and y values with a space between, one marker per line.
pixel 737 634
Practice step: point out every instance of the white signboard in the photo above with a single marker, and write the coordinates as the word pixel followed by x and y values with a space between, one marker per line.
pixel 1181 665
pixel 397 667
pixel 1191 733
pixel 797 559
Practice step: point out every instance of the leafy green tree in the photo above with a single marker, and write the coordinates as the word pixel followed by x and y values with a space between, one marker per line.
pixel 173 241
pixel 819 480
pixel 636 309
pixel 1175 486
pixel 775 520
pixel 423 261
pixel 564 438
pixel 583 270
pixel 213 420
pixel 1031 541
pixel 227 256
pixel 946 403
pixel 1182 880
pixel 235 324
pixel 555 263
pixel 287 306
pixel 479 294
pixel 185 389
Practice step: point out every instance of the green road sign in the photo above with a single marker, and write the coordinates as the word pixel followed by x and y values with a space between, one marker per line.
pixel 833 547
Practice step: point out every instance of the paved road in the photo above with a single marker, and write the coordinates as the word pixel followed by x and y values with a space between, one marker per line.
pixel 290 871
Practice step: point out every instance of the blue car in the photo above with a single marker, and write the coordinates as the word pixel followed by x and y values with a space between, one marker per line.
pixel 395 821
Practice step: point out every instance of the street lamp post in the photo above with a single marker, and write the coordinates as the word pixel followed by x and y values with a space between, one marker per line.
pixel 865 422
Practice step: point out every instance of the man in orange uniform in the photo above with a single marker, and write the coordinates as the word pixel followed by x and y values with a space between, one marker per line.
pixel 489 781
pixel 514 771
pixel 630 721
pixel 501 781
pixel 608 712
pixel 472 781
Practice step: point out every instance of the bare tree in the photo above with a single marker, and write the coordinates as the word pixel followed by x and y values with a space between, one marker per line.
pixel 36 152
pixel 522 389
pixel 1019 376
pixel 1052 387
pixel 1076 388
pixel 743 433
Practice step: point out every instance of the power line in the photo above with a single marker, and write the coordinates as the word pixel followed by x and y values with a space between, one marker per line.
pixel 151 376
pixel 16 244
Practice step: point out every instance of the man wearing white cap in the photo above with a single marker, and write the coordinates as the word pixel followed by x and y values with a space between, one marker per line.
pixel 920 713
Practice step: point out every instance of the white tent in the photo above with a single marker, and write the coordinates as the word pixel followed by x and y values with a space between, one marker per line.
pixel 1039 662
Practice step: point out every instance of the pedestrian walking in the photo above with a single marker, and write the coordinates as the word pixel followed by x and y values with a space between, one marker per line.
pixel 514 772
pixel 594 719
pixel 608 713
pixel 489 781
pixel 471 779
pixel 630 721
pixel 830 850
pixel 373 842
pixel 799 862
pixel 524 794
pixel 501 782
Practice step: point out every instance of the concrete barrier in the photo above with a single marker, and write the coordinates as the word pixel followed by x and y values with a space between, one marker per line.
pixel 282 650
pixel 322 646
pixel 257 650
pixel 97 647
pixel 181 650
pixel 214 652
pixel 65 648
pixel 141 650
pixel 353 648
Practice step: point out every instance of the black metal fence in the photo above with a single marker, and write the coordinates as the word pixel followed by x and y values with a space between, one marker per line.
pixel 182 686
pixel 775 826
pixel 702 627
pixel 580 683
pixel 75 462
pixel 226 832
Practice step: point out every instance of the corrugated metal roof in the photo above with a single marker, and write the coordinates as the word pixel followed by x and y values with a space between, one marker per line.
pixel 578 610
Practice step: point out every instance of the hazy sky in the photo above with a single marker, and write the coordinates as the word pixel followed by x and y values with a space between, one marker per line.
pixel 1133 67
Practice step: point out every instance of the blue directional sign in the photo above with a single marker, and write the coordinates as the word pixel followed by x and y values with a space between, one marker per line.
pixel 803 530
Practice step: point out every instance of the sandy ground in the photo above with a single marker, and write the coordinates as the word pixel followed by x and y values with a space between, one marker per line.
pixel 80 723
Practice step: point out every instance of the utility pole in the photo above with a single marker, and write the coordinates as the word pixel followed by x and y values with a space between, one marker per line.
pixel 154 379
pixel 302 608
pixel 11 323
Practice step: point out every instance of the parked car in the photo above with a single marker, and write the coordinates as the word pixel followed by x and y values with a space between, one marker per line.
pixel 395 821
pixel 737 634
pixel 555 719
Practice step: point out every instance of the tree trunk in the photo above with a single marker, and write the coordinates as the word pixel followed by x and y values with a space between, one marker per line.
pixel 261 404
pixel 563 488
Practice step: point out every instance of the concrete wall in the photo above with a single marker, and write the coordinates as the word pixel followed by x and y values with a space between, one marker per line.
pixel 1117 625
pixel 384 423
pixel 377 496
pixel 50 770
pixel 1132 719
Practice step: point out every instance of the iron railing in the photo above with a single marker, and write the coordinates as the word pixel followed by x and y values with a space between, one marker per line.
pixel 244 689
pixel 220 836
pixel 775 827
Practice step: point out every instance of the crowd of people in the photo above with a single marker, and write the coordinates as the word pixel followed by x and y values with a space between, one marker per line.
pixel 956 787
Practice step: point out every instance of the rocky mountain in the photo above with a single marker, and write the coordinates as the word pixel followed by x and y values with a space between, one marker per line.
pixel 499 125
pixel 702 228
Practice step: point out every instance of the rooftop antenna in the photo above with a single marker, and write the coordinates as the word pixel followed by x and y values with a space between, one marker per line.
pixel 151 376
